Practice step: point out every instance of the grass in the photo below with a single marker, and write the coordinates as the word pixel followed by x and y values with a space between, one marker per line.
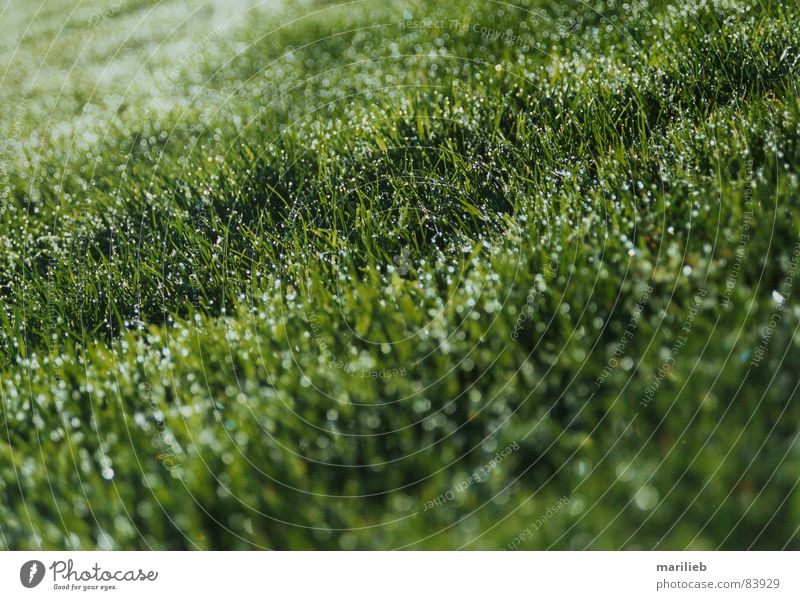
pixel 285 281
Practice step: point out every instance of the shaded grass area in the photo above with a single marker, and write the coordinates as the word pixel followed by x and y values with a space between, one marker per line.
pixel 374 246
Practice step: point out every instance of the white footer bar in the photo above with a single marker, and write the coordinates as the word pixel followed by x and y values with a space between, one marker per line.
pixel 400 575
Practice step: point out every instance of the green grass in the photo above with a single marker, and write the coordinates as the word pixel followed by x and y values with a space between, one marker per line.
pixel 280 284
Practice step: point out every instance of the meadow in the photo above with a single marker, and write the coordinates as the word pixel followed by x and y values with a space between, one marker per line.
pixel 399 274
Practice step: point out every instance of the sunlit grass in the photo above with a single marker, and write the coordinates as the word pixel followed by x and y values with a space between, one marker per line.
pixel 282 288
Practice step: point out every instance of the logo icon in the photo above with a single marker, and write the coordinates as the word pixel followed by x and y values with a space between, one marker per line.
pixel 31 573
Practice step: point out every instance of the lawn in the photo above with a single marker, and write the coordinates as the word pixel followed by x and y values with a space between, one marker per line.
pixel 399 274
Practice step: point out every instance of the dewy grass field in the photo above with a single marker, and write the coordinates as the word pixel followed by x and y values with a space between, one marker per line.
pixel 396 274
